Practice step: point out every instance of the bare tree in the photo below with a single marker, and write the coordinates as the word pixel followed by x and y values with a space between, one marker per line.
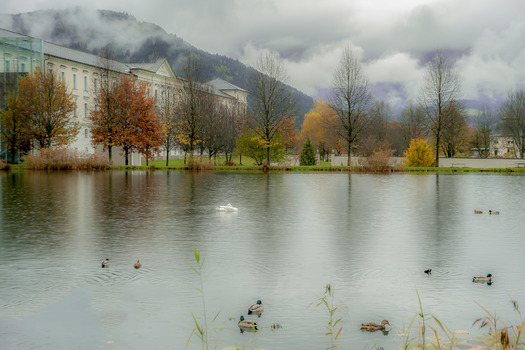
pixel 455 131
pixel 483 126
pixel 351 98
pixel 166 108
pixel 192 106
pixel 272 99
pixel 441 89
pixel 512 120
pixel 413 123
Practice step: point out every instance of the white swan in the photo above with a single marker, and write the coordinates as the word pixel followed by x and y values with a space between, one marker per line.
pixel 227 207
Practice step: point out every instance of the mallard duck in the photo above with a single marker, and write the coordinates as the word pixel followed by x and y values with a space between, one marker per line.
pixel 428 271
pixel 478 211
pixel 247 325
pixel 105 263
pixel 487 279
pixel 374 326
pixel 137 265
pixel 493 212
pixel 256 309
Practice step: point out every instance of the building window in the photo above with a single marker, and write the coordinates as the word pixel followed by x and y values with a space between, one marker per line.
pixel 86 133
pixel 75 112
pixel 74 81
pixel 22 67
pixel 85 83
pixel 63 74
pixel 85 110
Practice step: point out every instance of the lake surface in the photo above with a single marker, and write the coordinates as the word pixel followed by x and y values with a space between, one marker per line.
pixel 369 236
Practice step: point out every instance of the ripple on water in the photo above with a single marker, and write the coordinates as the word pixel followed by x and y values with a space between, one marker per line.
pixel 112 277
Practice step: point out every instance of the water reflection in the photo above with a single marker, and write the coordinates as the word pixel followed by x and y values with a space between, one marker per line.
pixel 369 236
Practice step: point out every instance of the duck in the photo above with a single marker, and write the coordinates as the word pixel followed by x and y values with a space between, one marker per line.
pixel 137 265
pixel 374 326
pixel 105 263
pixel 428 271
pixel 487 279
pixel 478 211
pixel 493 212
pixel 246 325
pixel 256 309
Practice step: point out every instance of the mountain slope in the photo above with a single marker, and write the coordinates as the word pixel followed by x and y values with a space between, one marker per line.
pixel 132 41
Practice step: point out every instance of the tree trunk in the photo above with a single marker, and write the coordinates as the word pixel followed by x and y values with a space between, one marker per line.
pixel 437 150
pixel 109 154
pixel 268 155
pixel 349 151
pixel 13 155
pixel 126 154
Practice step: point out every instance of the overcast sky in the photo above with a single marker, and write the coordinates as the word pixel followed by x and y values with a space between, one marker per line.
pixel 393 38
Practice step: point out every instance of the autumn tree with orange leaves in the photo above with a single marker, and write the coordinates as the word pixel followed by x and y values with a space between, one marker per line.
pixel 44 100
pixel 317 125
pixel 129 121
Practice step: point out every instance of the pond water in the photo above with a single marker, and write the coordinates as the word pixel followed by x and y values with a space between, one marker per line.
pixel 369 236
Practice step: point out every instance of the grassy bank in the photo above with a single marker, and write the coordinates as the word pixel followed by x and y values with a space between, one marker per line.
pixel 67 162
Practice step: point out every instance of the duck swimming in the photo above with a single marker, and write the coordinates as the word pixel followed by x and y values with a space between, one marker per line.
pixel 483 279
pixel 256 309
pixel 247 325
pixel 374 326
pixel 478 211
pixel 105 263
pixel 493 212
pixel 428 271
pixel 137 265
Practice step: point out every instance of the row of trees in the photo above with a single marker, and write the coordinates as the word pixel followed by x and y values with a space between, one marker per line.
pixel 351 120
pixel 193 117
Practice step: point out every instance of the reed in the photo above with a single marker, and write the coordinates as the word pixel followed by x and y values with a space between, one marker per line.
pixel 498 337
pixel 64 159
pixel 327 301
pixel 422 322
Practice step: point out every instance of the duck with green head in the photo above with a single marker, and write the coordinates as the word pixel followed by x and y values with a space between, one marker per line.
pixel 483 279
pixel 246 325
pixel 256 309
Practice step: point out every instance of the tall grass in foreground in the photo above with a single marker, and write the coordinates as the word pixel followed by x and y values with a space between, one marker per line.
pixel 327 301
pixel 201 330
pixel 64 159
pixel 499 338
pixel 422 322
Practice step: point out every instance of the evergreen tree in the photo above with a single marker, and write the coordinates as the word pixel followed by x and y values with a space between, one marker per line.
pixel 307 154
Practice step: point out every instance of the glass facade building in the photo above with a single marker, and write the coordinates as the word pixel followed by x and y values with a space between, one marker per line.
pixel 19 55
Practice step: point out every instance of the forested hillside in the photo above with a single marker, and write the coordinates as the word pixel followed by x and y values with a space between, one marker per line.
pixel 132 41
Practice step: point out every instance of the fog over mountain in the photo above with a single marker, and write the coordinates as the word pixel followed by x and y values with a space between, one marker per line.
pixel 132 41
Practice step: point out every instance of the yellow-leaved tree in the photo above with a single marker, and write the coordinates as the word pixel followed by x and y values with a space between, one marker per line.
pixel 419 154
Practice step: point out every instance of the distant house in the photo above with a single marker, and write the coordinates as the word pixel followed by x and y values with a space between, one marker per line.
pixel 21 54
pixel 503 147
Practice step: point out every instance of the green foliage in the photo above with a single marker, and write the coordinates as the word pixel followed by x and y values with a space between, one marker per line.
pixel 419 154
pixel 251 145
pixel 307 156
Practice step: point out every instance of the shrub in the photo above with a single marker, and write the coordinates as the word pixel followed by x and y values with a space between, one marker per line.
pixel 419 154
pixel 4 165
pixel 196 165
pixel 64 159
pixel 380 160
pixel 307 154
